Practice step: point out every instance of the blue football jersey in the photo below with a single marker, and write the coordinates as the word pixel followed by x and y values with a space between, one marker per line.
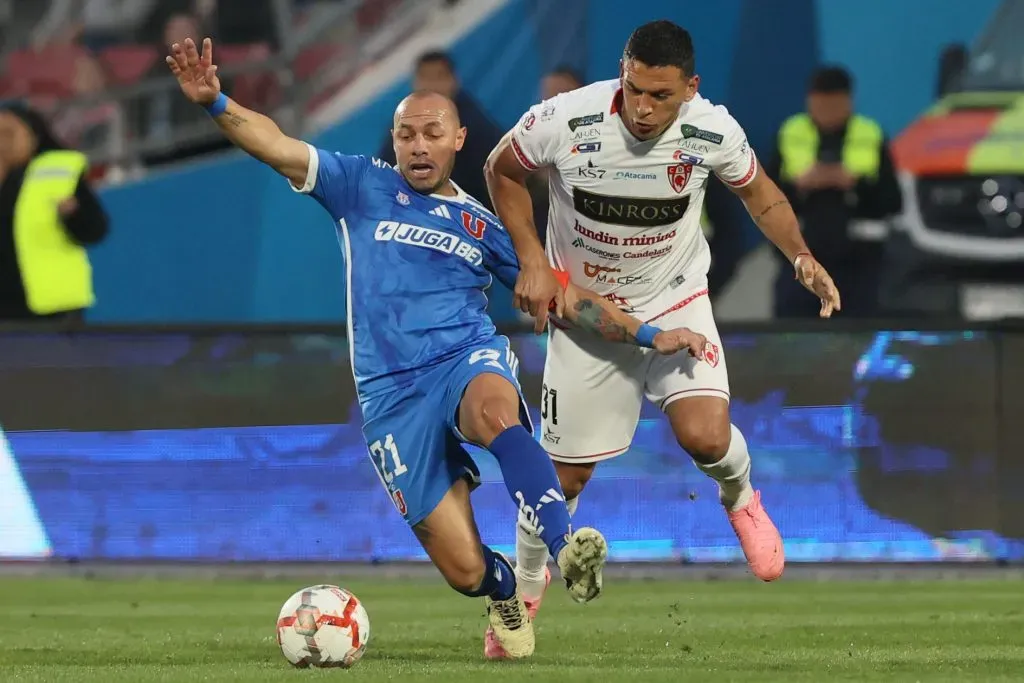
pixel 417 267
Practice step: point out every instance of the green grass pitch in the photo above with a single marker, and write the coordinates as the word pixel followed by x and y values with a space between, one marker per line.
pixel 141 631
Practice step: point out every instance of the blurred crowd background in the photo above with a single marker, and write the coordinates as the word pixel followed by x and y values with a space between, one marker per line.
pixel 896 127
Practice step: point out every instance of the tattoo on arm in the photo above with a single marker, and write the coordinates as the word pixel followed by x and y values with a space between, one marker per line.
pixel 760 216
pixel 591 317
pixel 233 120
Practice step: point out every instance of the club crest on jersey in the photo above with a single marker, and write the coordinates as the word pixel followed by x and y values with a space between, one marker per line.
pixel 402 198
pixel 679 175
pixel 473 225
pixel 711 354
pixel 529 121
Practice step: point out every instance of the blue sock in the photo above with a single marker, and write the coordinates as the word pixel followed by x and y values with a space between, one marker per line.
pixel 533 484
pixel 499 581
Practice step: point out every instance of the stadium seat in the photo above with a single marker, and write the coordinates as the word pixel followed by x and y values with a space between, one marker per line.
pixel 226 55
pixel 370 14
pixel 126 64
pixel 11 89
pixel 252 89
pixel 50 71
pixel 311 59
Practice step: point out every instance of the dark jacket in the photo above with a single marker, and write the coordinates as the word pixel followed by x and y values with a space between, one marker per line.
pixel 482 135
pixel 87 225
pixel 855 264
pixel 826 214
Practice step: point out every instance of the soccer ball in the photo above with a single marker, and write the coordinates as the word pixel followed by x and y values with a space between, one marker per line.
pixel 323 626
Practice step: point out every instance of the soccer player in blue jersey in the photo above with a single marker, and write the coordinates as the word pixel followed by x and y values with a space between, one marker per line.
pixel 430 371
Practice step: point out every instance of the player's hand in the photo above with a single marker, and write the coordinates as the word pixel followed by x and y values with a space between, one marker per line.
pixel 816 279
pixel 537 292
pixel 668 342
pixel 196 74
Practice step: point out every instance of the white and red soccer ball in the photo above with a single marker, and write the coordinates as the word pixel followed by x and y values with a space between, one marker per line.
pixel 323 626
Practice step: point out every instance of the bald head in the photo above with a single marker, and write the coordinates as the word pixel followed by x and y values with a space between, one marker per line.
pixel 426 102
pixel 427 134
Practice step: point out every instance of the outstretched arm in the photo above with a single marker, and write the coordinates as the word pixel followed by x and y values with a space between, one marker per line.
pixel 250 131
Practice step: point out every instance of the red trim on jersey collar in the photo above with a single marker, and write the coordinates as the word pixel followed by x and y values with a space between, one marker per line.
pixel 616 102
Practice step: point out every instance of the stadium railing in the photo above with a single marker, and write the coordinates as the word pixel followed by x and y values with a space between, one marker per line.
pixel 317 58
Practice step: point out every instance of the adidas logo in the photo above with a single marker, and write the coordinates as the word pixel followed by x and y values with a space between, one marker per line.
pixel 441 211
pixel 550 496
pixel 578 242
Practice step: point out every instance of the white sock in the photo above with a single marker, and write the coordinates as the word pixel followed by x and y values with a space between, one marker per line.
pixel 532 557
pixel 732 473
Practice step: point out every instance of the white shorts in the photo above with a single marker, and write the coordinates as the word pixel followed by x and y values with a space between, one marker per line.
pixel 593 389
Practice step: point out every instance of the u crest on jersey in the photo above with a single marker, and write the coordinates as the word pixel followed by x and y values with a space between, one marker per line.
pixel 473 225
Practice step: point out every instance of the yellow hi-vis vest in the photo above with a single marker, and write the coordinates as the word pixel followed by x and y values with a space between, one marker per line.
pixel 55 270
pixel 798 146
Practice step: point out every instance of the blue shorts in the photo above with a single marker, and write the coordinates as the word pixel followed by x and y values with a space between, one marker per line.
pixel 412 433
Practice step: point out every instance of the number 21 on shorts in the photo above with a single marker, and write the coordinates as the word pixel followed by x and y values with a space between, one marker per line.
pixel 385 452
pixel 492 358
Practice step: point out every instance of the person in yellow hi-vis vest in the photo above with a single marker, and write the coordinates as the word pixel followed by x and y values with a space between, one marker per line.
pixel 48 215
pixel 835 168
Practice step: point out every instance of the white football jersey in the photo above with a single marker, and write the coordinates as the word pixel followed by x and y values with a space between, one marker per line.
pixel 624 216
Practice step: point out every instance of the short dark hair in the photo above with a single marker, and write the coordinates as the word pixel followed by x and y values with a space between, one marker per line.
pixel 436 56
pixel 831 80
pixel 662 43
pixel 568 71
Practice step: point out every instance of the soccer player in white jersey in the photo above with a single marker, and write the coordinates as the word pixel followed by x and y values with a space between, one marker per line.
pixel 629 160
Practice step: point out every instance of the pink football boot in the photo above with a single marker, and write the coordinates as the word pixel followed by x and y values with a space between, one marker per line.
pixel 759 539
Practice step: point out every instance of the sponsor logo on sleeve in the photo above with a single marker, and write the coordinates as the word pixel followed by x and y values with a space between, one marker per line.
pixel 588 120
pixel 690 131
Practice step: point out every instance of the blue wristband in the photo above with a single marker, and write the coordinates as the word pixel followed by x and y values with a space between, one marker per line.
pixel 219 106
pixel 645 335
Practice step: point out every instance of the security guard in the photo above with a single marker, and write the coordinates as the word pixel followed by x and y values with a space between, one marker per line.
pixel 835 168
pixel 48 214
